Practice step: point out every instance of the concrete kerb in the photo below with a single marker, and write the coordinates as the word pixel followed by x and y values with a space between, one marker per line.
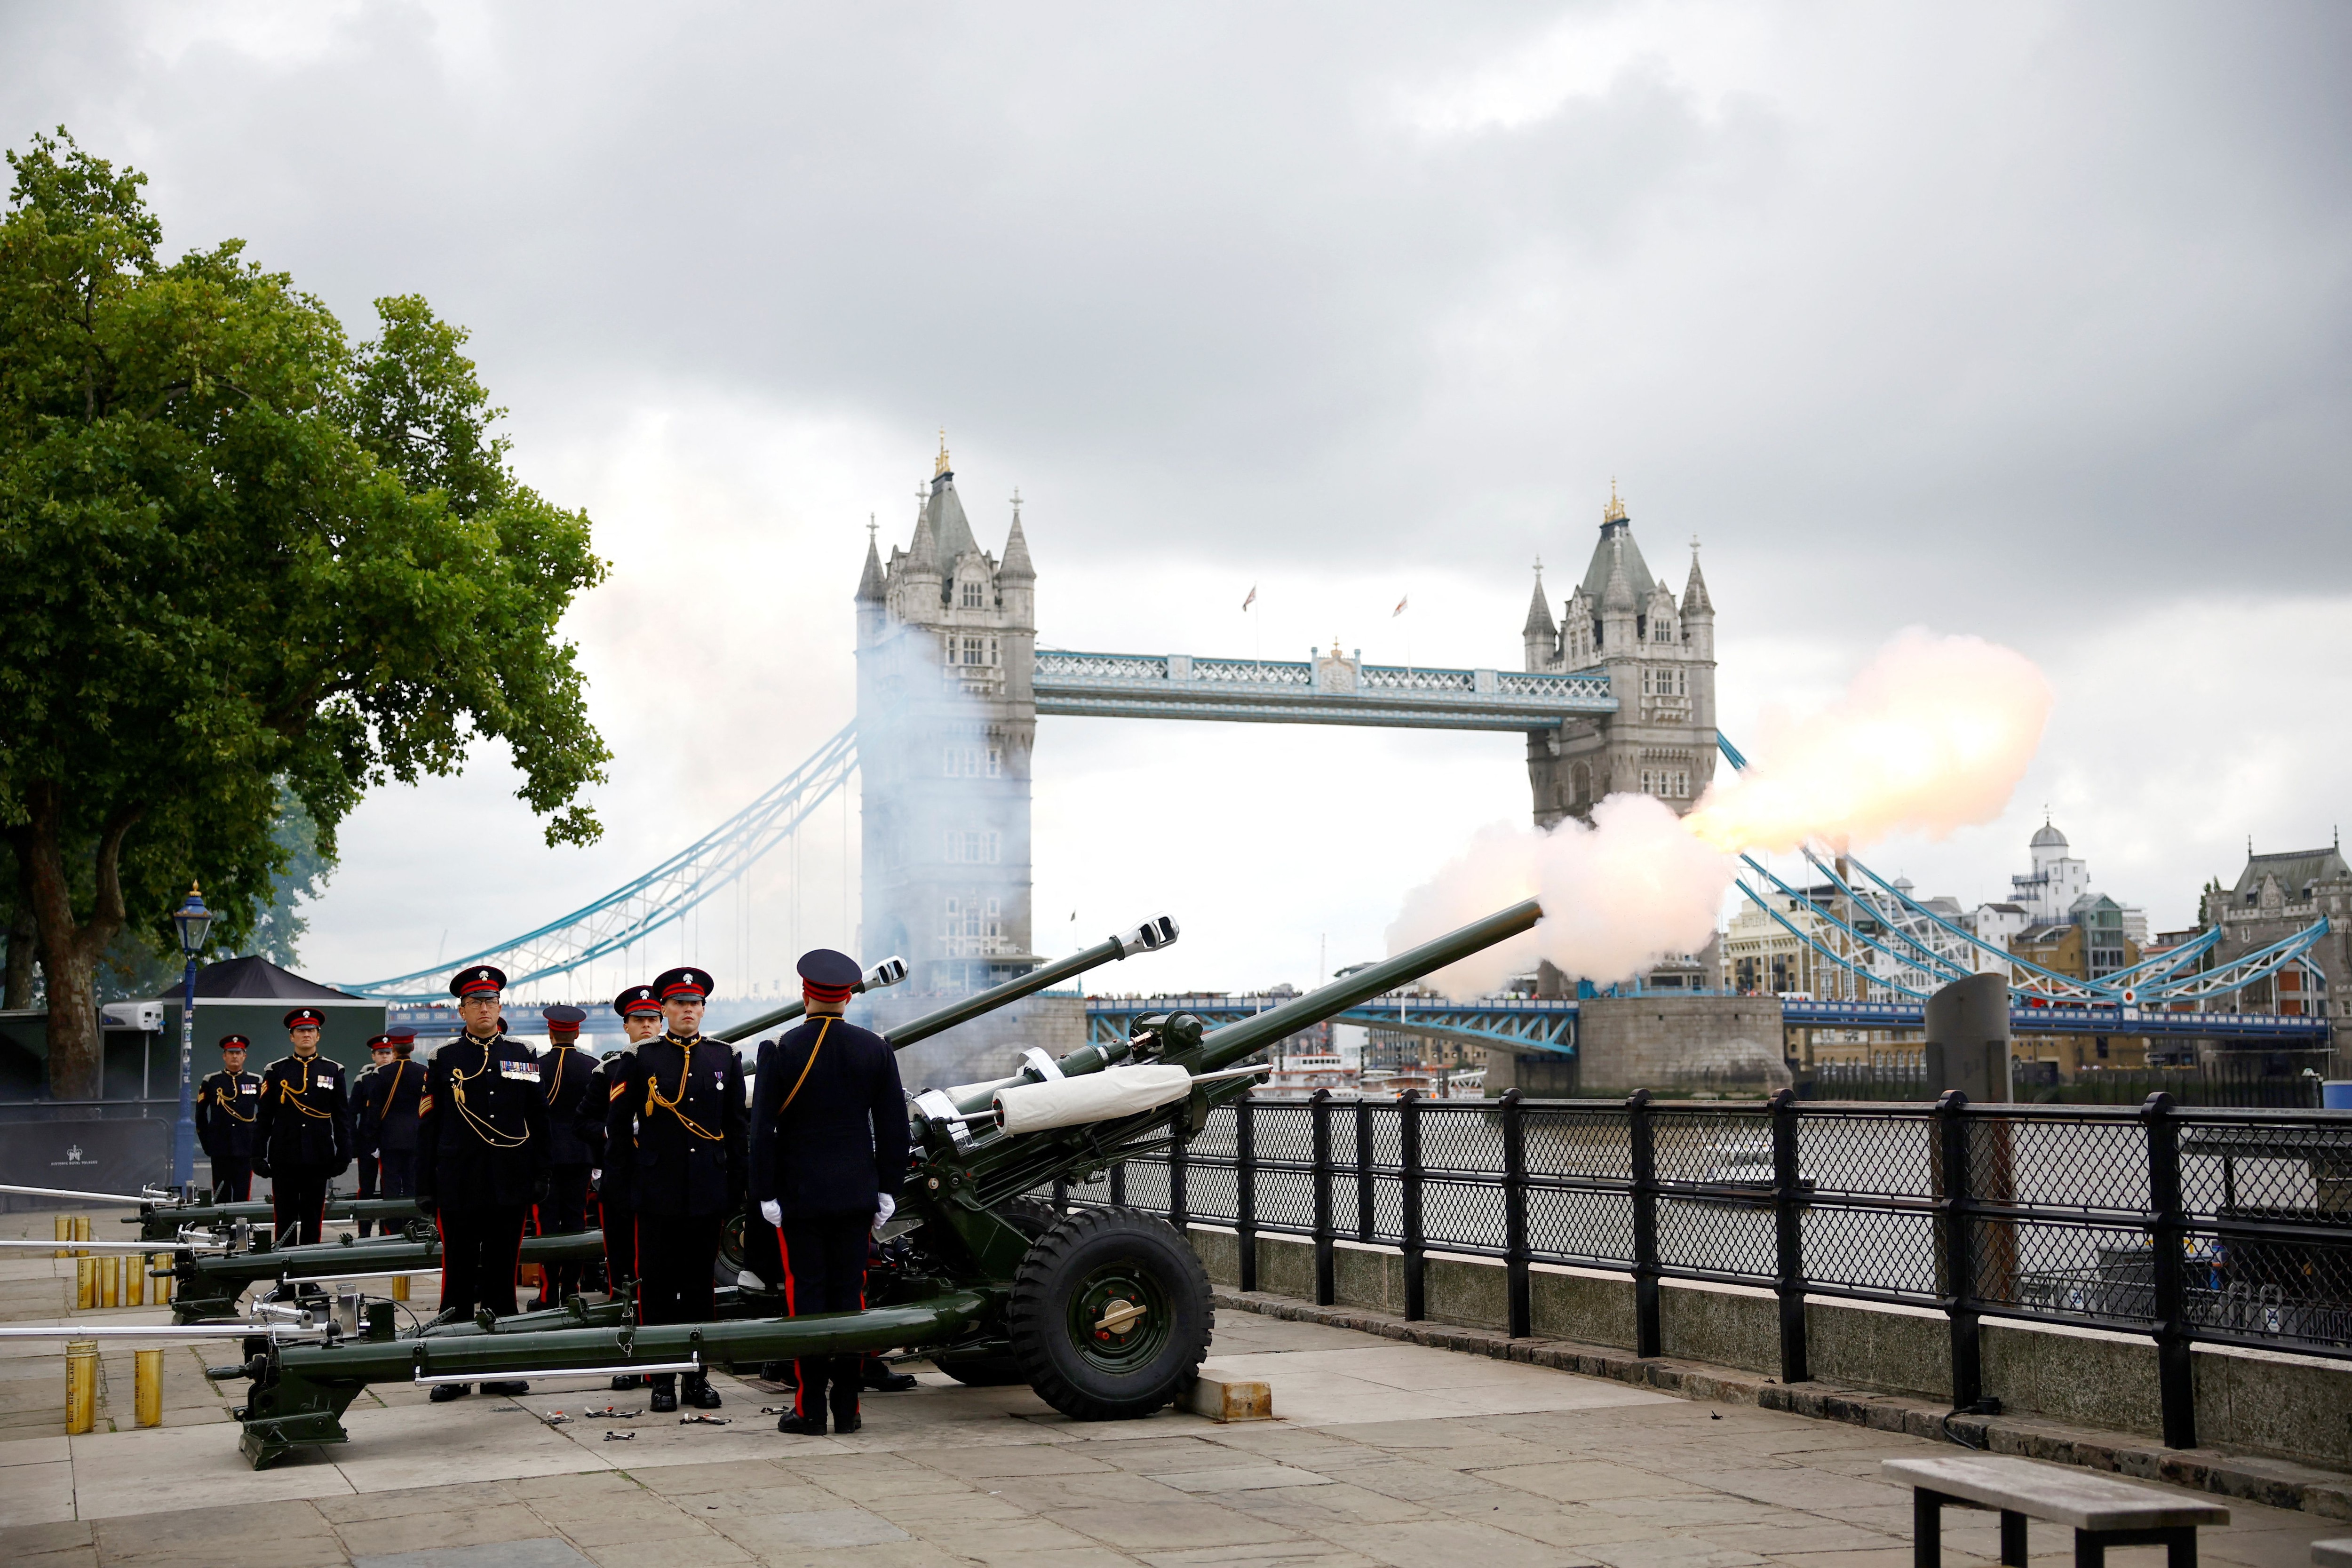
pixel 2275 1483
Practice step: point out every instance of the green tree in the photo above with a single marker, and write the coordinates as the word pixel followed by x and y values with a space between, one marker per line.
pixel 237 550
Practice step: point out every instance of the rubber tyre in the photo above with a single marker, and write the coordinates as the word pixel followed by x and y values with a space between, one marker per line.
pixel 1089 1259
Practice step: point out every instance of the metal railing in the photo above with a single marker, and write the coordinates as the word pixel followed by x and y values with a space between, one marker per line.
pixel 2188 1225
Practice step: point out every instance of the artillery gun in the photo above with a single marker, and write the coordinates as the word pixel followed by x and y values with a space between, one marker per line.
pixel 1104 1312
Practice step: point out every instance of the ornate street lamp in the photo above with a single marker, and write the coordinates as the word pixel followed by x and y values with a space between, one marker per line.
pixel 195 923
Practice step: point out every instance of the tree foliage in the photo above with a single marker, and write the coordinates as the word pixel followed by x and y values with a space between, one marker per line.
pixel 235 550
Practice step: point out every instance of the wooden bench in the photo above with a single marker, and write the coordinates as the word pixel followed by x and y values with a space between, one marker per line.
pixel 2103 1511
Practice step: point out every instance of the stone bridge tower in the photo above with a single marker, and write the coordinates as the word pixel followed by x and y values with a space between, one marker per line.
pixel 947 718
pixel 1659 655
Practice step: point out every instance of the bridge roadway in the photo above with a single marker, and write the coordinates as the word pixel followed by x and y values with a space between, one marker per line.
pixel 1327 690
pixel 1528 1024
pixel 1550 1026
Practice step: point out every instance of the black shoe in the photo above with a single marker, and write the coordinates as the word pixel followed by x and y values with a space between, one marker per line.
pixel 882 1380
pixel 511 1388
pixel 629 1380
pixel 665 1399
pixel 781 1371
pixel 802 1426
pixel 698 1393
pixel 844 1422
pixel 443 1392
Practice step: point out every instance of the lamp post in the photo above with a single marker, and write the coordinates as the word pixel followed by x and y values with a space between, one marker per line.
pixel 195 921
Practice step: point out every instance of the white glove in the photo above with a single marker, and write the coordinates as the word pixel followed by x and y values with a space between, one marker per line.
pixel 885 1206
pixel 771 1210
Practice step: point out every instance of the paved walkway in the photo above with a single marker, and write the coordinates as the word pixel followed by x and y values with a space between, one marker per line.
pixel 1385 1454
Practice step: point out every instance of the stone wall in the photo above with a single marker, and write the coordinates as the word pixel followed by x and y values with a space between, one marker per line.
pixel 1666 1044
pixel 2291 1408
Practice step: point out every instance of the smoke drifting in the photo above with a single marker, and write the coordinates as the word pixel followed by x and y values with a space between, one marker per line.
pixel 1931 736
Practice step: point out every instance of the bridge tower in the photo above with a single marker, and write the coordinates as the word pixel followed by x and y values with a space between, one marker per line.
pixel 947 718
pixel 1659 655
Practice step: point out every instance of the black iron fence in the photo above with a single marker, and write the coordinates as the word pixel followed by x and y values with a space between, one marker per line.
pixel 2278 1080
pixel 2188 1225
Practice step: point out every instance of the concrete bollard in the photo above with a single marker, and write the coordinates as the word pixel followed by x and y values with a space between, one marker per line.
pixel 84 1284
pixel 109 1282
pixel 149 1383
pixel 81 1386
pixel 400 1287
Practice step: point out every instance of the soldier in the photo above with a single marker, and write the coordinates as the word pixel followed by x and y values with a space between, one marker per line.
pixel 226 1104
pixel 362 1145
pixel 387 1118
pixel 302 1130
pixel 641 1020
pixel 680 1101
pixel 481 1159
pixel 564 1072
pixel 828 1151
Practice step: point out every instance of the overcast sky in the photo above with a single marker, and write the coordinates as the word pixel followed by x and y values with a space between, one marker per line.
pixel 2027 321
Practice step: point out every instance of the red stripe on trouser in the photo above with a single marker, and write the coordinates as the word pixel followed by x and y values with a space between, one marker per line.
pixel 514 1268
pixel 800 1384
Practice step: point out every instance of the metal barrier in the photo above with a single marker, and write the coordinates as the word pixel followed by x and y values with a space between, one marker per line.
pixel 2188 1225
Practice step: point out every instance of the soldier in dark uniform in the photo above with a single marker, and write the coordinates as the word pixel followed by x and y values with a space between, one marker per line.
pixel 641 1019
pixel 828 1151
pixel 680 1101
pixel 227 1105
pixel 564 1073
pixel 362 1145
pixel 481 1159
pixel 386 1121
pixel 302 1130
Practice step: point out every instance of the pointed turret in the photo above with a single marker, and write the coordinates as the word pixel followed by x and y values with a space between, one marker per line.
pixel 1540 635
pixel 1016 565
pixel 925 551
pixel 1540 619
pixel 872 586
pixel 1695 599
pixel 1698 612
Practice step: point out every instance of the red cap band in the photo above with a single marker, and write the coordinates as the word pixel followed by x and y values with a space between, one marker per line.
pixel 811 990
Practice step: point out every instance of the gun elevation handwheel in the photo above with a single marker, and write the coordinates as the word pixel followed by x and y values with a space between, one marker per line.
pixel 1110 1315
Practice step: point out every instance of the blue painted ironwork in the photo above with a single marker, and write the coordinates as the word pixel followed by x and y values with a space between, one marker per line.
pixel 638 909
pixel 1829 1013
pixel 1519 1023
pixel 1325 691
pixel 2144 988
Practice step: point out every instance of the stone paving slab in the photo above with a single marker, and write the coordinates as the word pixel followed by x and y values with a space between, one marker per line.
pixel 1386 1455
pixel 1553 1469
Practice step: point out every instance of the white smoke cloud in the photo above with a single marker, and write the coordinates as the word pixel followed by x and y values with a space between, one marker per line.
pixel 1931 736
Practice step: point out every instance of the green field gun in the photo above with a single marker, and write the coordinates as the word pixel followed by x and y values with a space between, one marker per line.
pixel 211 1284
pixel 1105 1313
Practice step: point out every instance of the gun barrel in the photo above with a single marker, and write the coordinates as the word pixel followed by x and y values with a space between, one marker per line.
pixel 889 972
pixel 1223 1047
pixel 1158 932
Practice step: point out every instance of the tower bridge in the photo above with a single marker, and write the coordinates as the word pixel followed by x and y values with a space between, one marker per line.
pixel 1615 694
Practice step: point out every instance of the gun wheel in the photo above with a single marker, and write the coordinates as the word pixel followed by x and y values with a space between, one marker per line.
pixel 1110 1315
pixel 992 1364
